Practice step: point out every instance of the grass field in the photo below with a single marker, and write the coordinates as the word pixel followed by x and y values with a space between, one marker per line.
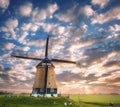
pixel 96 100
pixel 27 101
pixel 72 101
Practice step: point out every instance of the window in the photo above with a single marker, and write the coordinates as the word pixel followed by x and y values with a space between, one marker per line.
pixel 41 90
pixel 52 90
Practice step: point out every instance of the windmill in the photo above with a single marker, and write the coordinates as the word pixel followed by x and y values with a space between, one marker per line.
pixel 44 83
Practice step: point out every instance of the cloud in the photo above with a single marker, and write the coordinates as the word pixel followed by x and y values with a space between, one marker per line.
pixel 89 83
pixel 88 11
pixel 75 14
pixel 112 14
pixel 69 35
pixel 101 3
pixel 29 27
pixel 68 76
pixel 103 31
pixel 69 40
pixel 113 59
pixel 9 28
pixel 51 9
pixel 42 14
pixel 39 53
pixel 16 77
pixel 26 26
pixel 8 46
pixel 4 4
pixel 112 63
pixel 71 15
pixel 56 49
pixel 108 63
pixel 79 50
pixel 84 27
pixel 25 48
pixel 110 79
pixel 36 43
pixel 114 28
pixel 22 39
pixel 11 23
pixel 1 67
pixel 49 27
pixel 111 31
pixel 98 50
pixel 34 28
pixel 25 9
pixel 7 59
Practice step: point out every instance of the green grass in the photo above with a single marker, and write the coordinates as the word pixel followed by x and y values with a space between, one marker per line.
pixel 76 100
pixel 27 101
pixel 96 100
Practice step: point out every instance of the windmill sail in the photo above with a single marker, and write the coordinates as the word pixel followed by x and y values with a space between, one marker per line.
pixel 46 66
pixel 45 76
pixel 25 57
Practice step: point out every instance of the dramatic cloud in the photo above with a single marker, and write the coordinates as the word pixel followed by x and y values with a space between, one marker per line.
pixel 115 28
pixel 4 5
pixel 42 14
pixel 22 39
pixel 26 9
pixel 36 43
pixel 101 3
pixel 112 14
pixel 88 11
pixel 84 27
pixel 86 84
pixel 113 59
pixel 50 27
pixel 75 14
pixel 9 28
pixel 29 27
pixel 34 28
pixel 77 32
pixel 26 48
pixel 11 23
pixel 9 46
pixel 1 67
pixel 72 14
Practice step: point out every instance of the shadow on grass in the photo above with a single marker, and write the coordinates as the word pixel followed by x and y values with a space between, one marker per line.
pixel 101 104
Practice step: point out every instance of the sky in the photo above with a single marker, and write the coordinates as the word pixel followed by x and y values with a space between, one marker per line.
pixel 85 31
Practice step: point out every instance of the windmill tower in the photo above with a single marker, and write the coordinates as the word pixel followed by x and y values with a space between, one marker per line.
pixel 45 83
pixel 38 86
